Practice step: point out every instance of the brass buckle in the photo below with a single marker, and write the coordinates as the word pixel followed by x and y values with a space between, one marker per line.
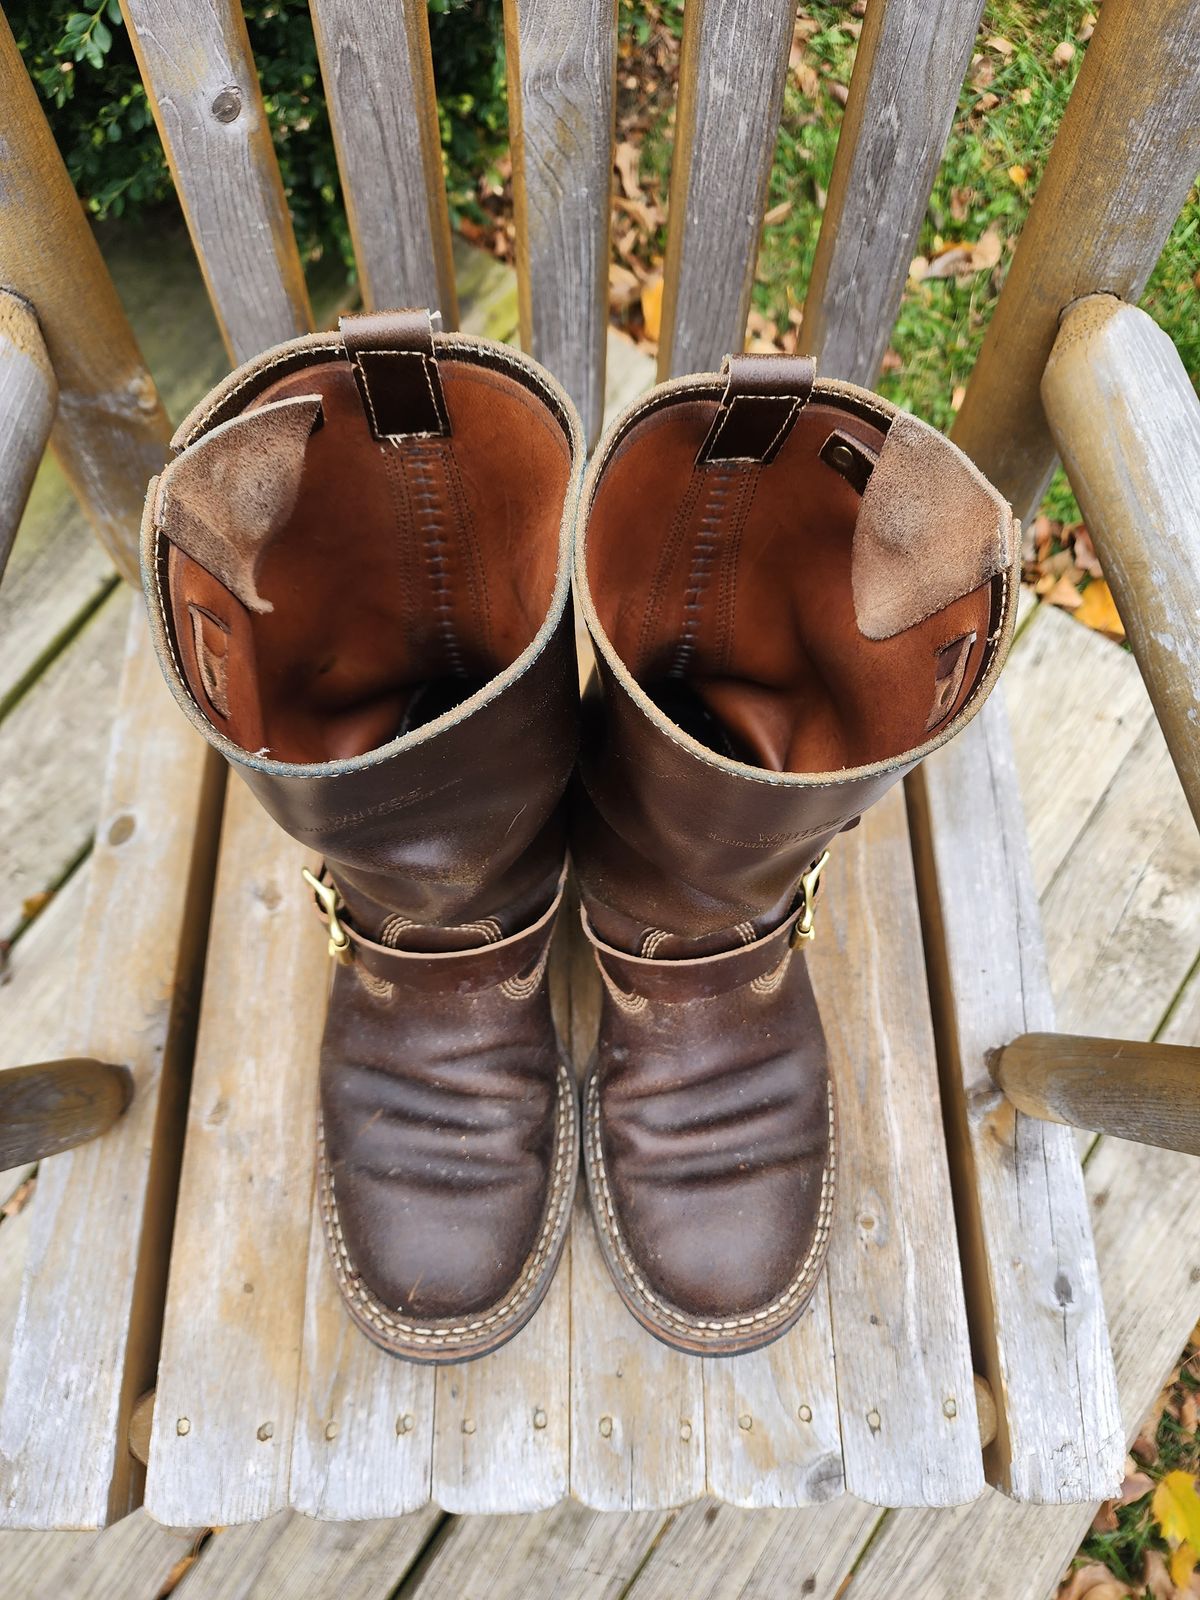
pixel 804 931
pixel 328 902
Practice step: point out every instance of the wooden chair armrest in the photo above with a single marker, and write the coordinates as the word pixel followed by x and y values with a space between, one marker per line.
pixel 56 1105
pixel 1126 421
pixel 1147 1092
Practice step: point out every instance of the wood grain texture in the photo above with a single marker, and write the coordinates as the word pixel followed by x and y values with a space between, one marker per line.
pixel 561 66
pixel 1134 1090
pixel 363 1442
pixel 132 1561
pixel 221 1447
pixel 735 56
pixel 771 1418
pixel 569 1553
pixel 51 1106
pixel 1123 910
pixel 28 401
pixel 86 1337
pixel 1126 421
pixel 903 93
pixel 294 1558
pixel 1126 155
pixel 378 76
pixel 53 750
pixel 111 431
pixel 1143 1205
pixel 1076 709
pixel 910 1434
pixel 714 1552
pixel 203 88
pixel 1032 1283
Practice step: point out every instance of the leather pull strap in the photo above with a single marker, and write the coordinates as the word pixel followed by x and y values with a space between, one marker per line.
pixel 396 372
pixel 764 394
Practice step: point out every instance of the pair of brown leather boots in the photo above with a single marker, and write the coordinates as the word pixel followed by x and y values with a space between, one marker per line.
pixel 359 567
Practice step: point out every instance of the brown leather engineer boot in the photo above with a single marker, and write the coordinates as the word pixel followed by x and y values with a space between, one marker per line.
pixel 795 592
pixel 357 568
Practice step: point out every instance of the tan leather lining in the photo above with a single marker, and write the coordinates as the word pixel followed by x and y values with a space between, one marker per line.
pixel 770 639
pixel 398 563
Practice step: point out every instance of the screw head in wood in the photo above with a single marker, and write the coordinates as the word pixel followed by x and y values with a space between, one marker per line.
pixel 227 107
pixel 805 1413
pixel 404 1424
pixel 539 1418
pixel 267 1431
pixel 606 1427
pixel 183 1426
pixel 745 1422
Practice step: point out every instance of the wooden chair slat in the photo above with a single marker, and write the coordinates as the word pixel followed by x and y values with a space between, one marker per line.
pixel 1031 1271
pixel 774 1435
pixel 561 63
pixel 223 1420
pixel 93 1287
pixel 638 1427
pixel 203 88
pixel 28 402
pixel 905 1383
pixel 112 430
pixel 903 93
pixel 735 56
pixel 1126 155
pixel 1126 422
pixel 363 1441
pixel 378 76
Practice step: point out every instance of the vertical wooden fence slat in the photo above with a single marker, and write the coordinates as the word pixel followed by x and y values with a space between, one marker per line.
pixel 1120 169
pixel 378 76
pixel 87 1333
pixel 203 88
pixel 562 58
pixel 1127 423
pixel 28 401
pixel 111 432
pixel 735 56
pixel 911 59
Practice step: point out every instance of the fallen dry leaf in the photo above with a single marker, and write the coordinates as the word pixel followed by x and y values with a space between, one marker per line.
pixel 1105 1520
pixel 1182 1566
pixel 1087 27
pixel 807 81
pixel 1063 54
pixel 623 286
pixel 892 361
pixel 1097 608
pixel 627 158
pixel 1135 1486
pixel 964 260
pixel 1002 47
pixel 918 269
pixel 1156 1578
pixel 777 213
pixel 958 396
pixel 1093 1582
pixel 652 300
pixel 839 92
pixel 1019 174
pixel 1176 1509
pixel 1065 594
pixel 987 102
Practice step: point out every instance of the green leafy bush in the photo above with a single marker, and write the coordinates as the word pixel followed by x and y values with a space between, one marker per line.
pixel 82 63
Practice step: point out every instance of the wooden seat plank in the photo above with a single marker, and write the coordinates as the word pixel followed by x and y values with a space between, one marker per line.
pixel 98 1289
pixel 363 1444
pixel 1030 1267
pixel 221 1445
pixel 910 1434
pixel 134 1560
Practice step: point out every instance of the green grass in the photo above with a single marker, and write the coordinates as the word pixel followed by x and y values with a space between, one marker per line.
pixel 942 322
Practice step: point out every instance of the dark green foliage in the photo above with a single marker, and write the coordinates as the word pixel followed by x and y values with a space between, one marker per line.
pixel 82 64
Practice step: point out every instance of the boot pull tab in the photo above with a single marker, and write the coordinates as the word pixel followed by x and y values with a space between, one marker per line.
pixel 764 394
pixel 396 372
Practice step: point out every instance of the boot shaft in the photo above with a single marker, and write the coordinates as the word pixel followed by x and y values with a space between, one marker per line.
pixel 357 569
pixel 795 593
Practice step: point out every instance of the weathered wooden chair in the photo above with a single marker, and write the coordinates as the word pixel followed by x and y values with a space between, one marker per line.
pixel 959 1337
